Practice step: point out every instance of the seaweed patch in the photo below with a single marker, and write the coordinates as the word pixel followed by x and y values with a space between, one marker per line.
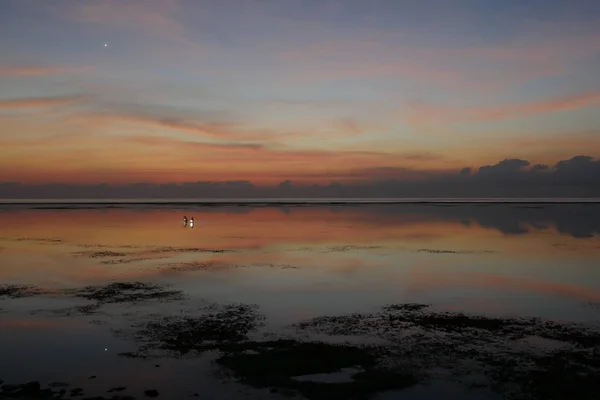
pixel 128 260
pixel 88 309
pixel 198 266
pixel 420 339
pixel 443 251
pixel 218 265
pixel 219 324
pixel 104 246
pixel 100 254
pixel 39 240
pixel 19 291
pixel 114 293
pixel 343 249
pixel 339 249
pixel 125 292
pixel 189 250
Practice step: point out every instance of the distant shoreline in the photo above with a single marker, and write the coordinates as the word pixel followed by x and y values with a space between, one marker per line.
pixel 292 202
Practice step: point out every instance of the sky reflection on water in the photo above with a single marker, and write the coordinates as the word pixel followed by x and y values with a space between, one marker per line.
pixel 294 262
pixel 349 255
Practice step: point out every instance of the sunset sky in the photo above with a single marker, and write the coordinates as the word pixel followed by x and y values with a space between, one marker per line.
pixel 314 91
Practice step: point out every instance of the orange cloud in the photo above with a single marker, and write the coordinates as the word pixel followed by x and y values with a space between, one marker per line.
pixel 215 130
pixel 230 131
pixel 31 102
pixel 127 158
pixel 141 146
pixel 423 113
pixel 162 141
pixel 463 150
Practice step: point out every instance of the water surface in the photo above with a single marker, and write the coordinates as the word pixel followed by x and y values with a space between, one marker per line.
pixel 293 263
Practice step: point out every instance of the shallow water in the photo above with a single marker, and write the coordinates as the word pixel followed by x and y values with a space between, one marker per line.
pixel 295 263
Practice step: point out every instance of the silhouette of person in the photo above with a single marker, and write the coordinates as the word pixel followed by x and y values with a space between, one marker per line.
pixel 185 221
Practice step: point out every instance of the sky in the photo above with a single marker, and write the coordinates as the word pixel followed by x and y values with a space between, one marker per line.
pixel 310 91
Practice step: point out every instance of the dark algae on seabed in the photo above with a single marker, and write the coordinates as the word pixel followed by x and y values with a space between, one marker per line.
pixel 517 358
pixel 19 291
pixel 565 364
pixel 125 292
pixel 112 293
pixel 180 335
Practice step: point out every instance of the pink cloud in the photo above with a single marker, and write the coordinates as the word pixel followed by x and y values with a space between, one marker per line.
pixel 157 18
pixel 424 113
pixel 15 104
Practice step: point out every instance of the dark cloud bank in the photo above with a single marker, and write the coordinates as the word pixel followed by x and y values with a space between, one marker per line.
pixel 576 177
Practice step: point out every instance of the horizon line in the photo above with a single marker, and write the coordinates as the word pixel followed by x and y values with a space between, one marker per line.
pixel 297 201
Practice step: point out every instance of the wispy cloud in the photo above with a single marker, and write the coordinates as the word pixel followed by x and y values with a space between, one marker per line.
pixel 175 159
pixel 419 112
pixel 221 126
pixel 218 130
pixel 475 66
pixel 160 19
pixel 339 128
pixel 195 145
pixel 34 102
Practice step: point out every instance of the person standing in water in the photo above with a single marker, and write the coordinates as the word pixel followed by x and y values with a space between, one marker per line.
pixel 185 220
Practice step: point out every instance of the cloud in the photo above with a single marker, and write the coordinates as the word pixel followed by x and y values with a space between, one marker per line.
pixel 476 66
pixel 189 126
pixel 33 102
pixel 349 126
pixel 539 167
pixel 90 156
pixel 367 174
pixel 578 176
pixel 162 141
pixel 574 168
pixel 467 171
pixel 419 112
pixel 420 156
pixel 321 174
pixel 506 166
pixel 160 19
pixel 220 125
pixel 579 168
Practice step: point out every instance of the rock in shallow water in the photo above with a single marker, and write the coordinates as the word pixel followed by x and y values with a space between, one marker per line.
pixel 151 393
